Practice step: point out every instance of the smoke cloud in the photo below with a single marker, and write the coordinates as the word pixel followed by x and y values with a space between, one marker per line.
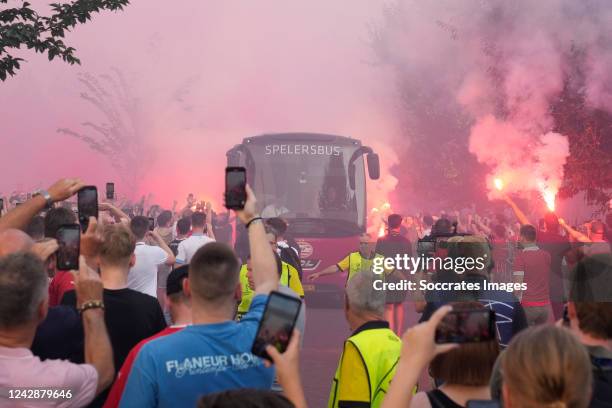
pixel 492 69
pixel 166 88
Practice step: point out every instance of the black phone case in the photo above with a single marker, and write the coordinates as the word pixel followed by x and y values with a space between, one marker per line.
pixel 231 202
pixel 262 352
pixel 84 218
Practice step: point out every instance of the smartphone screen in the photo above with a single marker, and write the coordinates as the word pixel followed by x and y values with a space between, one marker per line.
pixel 276 324
pixel 110 191
pixel 467 326
pixel 483 404
pixel 87 203
pixel 235 187
pixel 69 240
pixel 1 205
pixel 151 223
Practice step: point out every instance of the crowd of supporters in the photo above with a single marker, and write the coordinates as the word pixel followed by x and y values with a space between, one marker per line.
pixel 165 315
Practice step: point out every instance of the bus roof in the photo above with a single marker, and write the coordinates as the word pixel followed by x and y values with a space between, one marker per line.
pixel 300 137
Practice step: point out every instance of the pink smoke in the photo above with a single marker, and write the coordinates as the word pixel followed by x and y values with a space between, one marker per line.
pixel 202 76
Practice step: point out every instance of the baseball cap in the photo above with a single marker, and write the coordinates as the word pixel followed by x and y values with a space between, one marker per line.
pixel 174 284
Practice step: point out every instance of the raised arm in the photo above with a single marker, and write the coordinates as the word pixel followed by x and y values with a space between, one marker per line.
pixel 20 216
pixel 418 349
pixel 209 227
pixel 482 228
pixel 520 215
pixel 288 370
pixel 265 275
pixel 577 235
pixel 154 235
pixel 115 212
pixel 98 349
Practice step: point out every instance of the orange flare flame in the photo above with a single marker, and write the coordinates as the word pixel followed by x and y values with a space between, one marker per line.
pixel 549 199
pixel 499 184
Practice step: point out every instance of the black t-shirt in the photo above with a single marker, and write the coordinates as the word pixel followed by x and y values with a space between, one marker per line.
pixel 60 335
pixel 393 244
pixel 288 255
pixel 130 316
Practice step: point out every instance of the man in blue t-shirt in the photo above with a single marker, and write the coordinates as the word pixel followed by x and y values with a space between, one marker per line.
pixel 214 354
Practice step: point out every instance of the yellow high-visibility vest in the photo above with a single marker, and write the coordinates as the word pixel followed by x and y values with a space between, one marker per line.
pixel 358 263
pixel 379 349
pixel 289 277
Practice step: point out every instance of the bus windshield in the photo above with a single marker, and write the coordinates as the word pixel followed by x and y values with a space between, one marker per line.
pixel 308 183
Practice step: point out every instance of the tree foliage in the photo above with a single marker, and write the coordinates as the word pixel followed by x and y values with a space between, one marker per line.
pixel 24 27
pixel 589 167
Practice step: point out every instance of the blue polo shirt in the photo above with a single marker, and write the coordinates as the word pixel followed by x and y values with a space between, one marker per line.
pixel 175 370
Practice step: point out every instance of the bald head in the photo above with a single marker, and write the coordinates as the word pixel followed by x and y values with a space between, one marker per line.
pixel 14 240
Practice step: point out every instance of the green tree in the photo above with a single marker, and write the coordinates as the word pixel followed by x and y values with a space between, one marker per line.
pixel 24 27
pixel 589 129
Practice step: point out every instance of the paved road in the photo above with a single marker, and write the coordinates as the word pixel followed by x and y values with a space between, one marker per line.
pixel 326 330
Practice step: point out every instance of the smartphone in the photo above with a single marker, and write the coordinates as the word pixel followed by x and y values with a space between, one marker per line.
pixel 87 204
pixel 110 191
pixel 277 323
pixel 483 404
pixel 235 188
pixel 1 205
pixel 151 223
pixel 466 326
pixel 69 240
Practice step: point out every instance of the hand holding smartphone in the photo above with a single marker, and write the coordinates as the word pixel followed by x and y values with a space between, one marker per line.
pixel 87 203
pixel 235 188
pixel 277 324
pixel 69 242
pixel 466 326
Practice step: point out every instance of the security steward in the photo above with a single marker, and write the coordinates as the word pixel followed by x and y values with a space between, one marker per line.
pixel 354 262
pixel 289 277
pixel 370 355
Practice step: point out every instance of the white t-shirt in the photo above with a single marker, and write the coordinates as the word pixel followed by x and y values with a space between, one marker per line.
pixel 143 275
pixel 188 247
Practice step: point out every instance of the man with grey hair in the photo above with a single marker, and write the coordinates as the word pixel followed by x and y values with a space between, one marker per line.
pixel 23 305
pixel 370 354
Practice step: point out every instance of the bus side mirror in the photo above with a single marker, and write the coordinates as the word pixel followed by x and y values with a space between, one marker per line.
pixel 373 167
pixel 351 175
